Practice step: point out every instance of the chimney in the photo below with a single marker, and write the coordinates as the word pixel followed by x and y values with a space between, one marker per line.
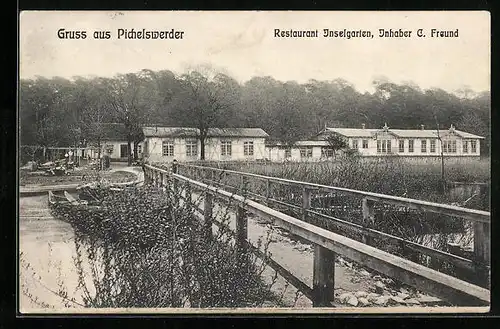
pixel 422 127
pixel 363 126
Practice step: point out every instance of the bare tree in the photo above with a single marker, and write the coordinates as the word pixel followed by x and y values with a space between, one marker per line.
pixel 123 96
pixel 203 103
pixel 336 143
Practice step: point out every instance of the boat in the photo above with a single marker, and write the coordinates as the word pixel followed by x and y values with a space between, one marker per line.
pixel 62 202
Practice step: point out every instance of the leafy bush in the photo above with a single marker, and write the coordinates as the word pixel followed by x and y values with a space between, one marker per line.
pixel 143 248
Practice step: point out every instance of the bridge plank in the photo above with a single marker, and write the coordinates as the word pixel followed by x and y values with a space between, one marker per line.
pixel 413 274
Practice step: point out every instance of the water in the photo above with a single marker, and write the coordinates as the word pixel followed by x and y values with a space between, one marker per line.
pixel 47 248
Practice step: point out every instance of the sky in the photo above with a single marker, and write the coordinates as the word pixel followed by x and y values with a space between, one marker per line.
pixel 243 45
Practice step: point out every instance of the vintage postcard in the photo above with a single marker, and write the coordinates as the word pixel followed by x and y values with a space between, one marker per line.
pixel 253 162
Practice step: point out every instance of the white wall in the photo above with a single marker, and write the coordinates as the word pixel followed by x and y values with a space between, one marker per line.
pixel 212 149
pixel 277 154
pixel 417 146
pixel 115 154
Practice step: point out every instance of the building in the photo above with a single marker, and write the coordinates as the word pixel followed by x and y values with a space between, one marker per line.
pixel 407 142
pixel 163 144
pixel 113 143
pixel 313 150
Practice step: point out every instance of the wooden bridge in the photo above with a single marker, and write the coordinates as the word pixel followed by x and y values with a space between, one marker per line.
pixel 257 195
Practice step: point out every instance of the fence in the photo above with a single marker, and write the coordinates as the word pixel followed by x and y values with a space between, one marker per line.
pixel 328 244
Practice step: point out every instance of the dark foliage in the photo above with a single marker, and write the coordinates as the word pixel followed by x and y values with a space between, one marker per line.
pixel 145 249
pixel 68 112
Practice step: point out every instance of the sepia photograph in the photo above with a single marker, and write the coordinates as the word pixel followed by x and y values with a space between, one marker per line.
pixel 254 162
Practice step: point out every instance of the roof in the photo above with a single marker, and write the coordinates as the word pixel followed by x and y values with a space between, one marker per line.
pixel 403 133
pixel 300 143
pixel 113 132
pixel 352 132
pixel 212 132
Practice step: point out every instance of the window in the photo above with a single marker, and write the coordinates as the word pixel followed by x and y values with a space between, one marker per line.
pixel 326 152
pixel 423 146
pixel 410 145
pixel 401 146
pixel 449 146
pixel 139 148
pixel 355 144
pixel 168 148
pixel 365 143
pixel 225 148
pixel 433 146
pixel 465 147
pixel 191 148
pixel 248 148
pixel 288 152
pixel 473 147
pixel 306 152
pixel 383 146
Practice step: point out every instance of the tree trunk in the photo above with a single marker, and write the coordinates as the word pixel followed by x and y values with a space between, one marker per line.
pixel 136 156
pixel 129 150
pixel 99 148
pixel 202 144
pixel 99 153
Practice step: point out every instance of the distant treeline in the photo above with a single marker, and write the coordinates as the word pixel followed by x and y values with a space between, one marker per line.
pixel 59 111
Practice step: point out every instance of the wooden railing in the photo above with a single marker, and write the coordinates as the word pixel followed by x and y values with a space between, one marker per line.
pixel 328 244
pixel 479 265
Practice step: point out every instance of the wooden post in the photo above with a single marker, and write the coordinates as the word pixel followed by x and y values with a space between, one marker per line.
pixel 268 191
pixel 368 217
pixel 207 214
pixel 161 179
pixel 189 195
pixel 174 181
pixel 306 202
pixel 243 187
pixel 323 277
pixel 241 230
pixel 482 250
pixel 174 167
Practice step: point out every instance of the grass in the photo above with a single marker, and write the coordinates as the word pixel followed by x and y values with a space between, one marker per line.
pixel 393 176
